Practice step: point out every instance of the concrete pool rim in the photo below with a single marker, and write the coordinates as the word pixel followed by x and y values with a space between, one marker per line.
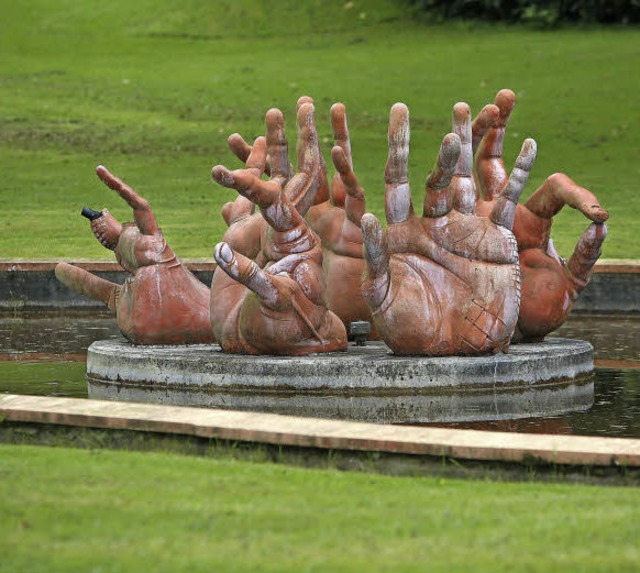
pixel 365 383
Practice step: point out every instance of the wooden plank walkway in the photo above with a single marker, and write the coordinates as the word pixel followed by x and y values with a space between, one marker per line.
pixel 325 434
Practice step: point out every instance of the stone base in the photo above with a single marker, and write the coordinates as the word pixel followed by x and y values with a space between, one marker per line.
pixel 366 383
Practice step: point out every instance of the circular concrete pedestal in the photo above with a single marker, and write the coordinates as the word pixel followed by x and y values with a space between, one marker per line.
pixel 365 383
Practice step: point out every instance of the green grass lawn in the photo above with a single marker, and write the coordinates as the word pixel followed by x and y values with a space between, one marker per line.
pixel 94 510
pixel 152 89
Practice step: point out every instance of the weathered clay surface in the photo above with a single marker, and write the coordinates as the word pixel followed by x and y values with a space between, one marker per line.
pixel 446 282
pixel 334 215
pixel 476 271
pixel 160 302
pixel 274 304
pixel 550 285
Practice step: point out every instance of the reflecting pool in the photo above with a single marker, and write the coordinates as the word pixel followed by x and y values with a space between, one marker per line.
pixel 44 354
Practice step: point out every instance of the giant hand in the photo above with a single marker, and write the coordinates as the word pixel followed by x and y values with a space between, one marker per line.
pixel 336 220
pixel 550 285
pixel 276 309
pixel 245 225
pixel 336 212
pixel 447 282
pixel 160 302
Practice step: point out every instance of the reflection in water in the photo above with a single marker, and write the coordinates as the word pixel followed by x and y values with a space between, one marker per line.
pixel 615 412
pixel 613 337
pixel 44 355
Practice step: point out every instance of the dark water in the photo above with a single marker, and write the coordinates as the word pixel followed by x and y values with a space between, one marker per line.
pixel 44 354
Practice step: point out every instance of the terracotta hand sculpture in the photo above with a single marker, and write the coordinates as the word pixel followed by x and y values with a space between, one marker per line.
pixel 245 225
pixel 275 307
pixel 335 215
pixel 446 282
pixel 550 285
pixel 336 219
pixel 161 302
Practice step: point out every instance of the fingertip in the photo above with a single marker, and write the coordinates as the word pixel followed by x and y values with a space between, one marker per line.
pixel 102 172
pixel 339 159
pixel 399 123
pixel 369 224
pixel 223 253
pixel 598 215
pixel 488 115
pixel 260 143
pixel 505 100
pixel 461 112
pixel 338 117
pixel 450 150
pixel 399 112
pixel 222 175
pixel 305 113
pixel 273 114
pixel 527 155
pixel 274 119
pixel 303 100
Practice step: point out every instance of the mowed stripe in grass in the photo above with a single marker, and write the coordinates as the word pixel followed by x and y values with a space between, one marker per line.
pixel 77 510
pixel 153 90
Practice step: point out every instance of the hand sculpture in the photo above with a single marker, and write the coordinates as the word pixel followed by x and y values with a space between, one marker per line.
pixel 448 282
pixel 161 302
pixel 245 225
pixel 336 220
pixel 550 285
pixel 335 215
pixel 276 309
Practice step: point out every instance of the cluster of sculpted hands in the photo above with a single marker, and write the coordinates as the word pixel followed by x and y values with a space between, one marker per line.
pixel 301 258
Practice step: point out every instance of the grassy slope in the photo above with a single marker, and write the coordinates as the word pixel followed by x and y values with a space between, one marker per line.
pixel 152 90
pixel 75 510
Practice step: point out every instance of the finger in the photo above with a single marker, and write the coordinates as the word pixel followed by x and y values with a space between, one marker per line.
pixel 257 158
pixel 397 192
pixel 506 101
pixel 277 146
pixel 281 214
pixel 87 284
pixel 341 130
pixel 438 200
pixel 560 190
pixel 462 128
pixel 234 211
pixel 240 148
pixel 297 189
pixel 341 139
pixel 309 158
pixel 107 229
pixel 482 123
pixel 308 148
pixel 504 211
pixel 246 272
pixel 262 193
pixel 354 202
pixel 463 188
pixel 302 100
pixel 120 187
pixel 490 167
pixel 144 217
pixel 376 255
pixel 585 255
